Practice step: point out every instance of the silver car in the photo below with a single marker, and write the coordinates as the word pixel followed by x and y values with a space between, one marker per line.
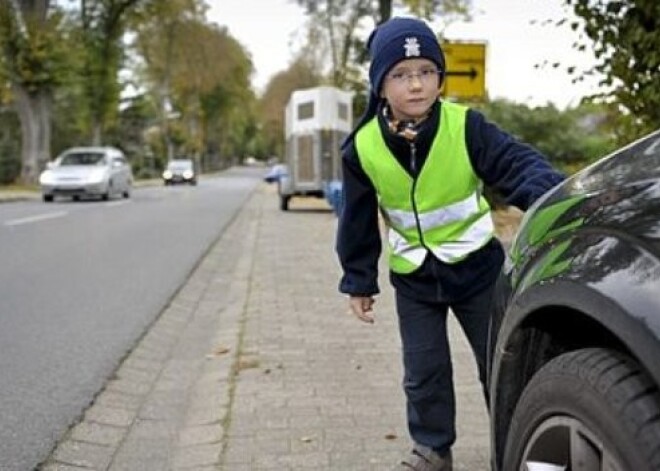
pixel 87 171
pixel 180 171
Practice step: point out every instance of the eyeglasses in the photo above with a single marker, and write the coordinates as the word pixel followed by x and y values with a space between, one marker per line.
pixel 404 77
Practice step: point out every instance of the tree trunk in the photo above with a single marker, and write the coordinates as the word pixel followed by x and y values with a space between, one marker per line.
pixel 34 112
pixel 97 133
pixel 385 10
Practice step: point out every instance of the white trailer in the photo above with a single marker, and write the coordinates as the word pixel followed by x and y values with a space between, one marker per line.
pixel 316 122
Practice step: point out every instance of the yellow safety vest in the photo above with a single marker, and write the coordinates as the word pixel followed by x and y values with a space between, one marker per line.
pixel 442 210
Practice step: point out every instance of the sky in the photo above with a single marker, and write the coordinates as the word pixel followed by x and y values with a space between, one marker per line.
pixel 514 45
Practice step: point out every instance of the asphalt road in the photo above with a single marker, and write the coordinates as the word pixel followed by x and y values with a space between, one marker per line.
pixel 80 282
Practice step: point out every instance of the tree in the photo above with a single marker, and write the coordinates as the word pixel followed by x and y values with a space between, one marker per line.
pixel 301 74
pixel 332 33
pixel 199 76
pixel 40 49
pixel 32 59
pixel 10 162
pixel 570 139
pixel 103 27
pixel 159 28
pixel 625 37
pixel 222 96
pixel 334 24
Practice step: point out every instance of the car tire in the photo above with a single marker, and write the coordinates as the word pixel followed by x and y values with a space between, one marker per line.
pixel 588 409
pixel 48 198
pixel 284 202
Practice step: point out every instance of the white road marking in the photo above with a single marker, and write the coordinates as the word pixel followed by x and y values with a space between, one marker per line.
pixel 36 218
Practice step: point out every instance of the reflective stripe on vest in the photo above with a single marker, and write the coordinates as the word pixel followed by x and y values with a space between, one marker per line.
pixel 442 210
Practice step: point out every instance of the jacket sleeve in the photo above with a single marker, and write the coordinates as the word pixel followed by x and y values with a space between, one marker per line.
pixel 520 173
pixel 358 241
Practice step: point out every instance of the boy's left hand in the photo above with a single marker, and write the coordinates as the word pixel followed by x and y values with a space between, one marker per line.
pixel 362 307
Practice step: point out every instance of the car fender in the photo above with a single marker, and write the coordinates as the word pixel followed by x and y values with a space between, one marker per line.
pixel 607 284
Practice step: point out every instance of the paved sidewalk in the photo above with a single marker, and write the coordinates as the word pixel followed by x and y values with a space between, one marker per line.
pixel 256 365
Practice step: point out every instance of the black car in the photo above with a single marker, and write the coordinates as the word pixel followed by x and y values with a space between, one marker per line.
pixel 575 342
pixel 180 171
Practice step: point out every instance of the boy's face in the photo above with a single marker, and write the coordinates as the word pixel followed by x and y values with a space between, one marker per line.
pixel 411 87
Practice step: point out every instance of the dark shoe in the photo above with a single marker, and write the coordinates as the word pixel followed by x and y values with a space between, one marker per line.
pixel 422 458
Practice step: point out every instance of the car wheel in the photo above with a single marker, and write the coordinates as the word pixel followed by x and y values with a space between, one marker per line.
pixel 591 409
pixel 284 202
pixel 48 198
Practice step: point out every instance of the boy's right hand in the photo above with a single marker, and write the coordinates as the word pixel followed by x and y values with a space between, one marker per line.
pixel 362 307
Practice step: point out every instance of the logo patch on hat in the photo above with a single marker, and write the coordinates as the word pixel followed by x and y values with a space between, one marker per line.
pixel 412 47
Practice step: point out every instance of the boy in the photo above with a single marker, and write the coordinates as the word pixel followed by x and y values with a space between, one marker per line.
pixel 422 162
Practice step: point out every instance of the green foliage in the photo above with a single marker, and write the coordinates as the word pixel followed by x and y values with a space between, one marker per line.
pixel 103 23
pixel 625 38
pixel 570 139
pixel 129 135
pixel 71 115
pixel 300 75
pixel 10 164
pixel 192 78
pixel 33 58
pixel 10 160
pixel 198 78
pixel 448 10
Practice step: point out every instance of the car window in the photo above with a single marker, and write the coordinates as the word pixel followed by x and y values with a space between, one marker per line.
pixel 83 158
pixel 180 165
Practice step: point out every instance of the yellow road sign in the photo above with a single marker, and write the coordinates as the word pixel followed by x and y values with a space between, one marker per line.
pixel 466 70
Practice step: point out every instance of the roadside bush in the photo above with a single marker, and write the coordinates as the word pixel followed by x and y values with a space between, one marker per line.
pixel 10 164
pixel 570 139
pixel 10 152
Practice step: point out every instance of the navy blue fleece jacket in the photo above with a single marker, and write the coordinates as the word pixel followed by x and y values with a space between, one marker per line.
pixel 516 170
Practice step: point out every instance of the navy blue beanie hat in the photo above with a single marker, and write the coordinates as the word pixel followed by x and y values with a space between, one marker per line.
pixel 391 42
pixel 399 39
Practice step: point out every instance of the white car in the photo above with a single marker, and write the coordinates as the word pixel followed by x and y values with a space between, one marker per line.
pixel 87 171
pixel 180 171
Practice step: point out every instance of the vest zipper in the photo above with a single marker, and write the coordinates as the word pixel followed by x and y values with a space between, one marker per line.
pixel 413 159
pixel 413 168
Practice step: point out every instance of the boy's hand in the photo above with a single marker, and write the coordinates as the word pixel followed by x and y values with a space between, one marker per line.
pixel 362 307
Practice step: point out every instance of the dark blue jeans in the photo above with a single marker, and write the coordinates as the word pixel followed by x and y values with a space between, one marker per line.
pixel 428 381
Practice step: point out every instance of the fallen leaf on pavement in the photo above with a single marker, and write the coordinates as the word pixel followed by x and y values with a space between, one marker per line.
pixel 218 351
